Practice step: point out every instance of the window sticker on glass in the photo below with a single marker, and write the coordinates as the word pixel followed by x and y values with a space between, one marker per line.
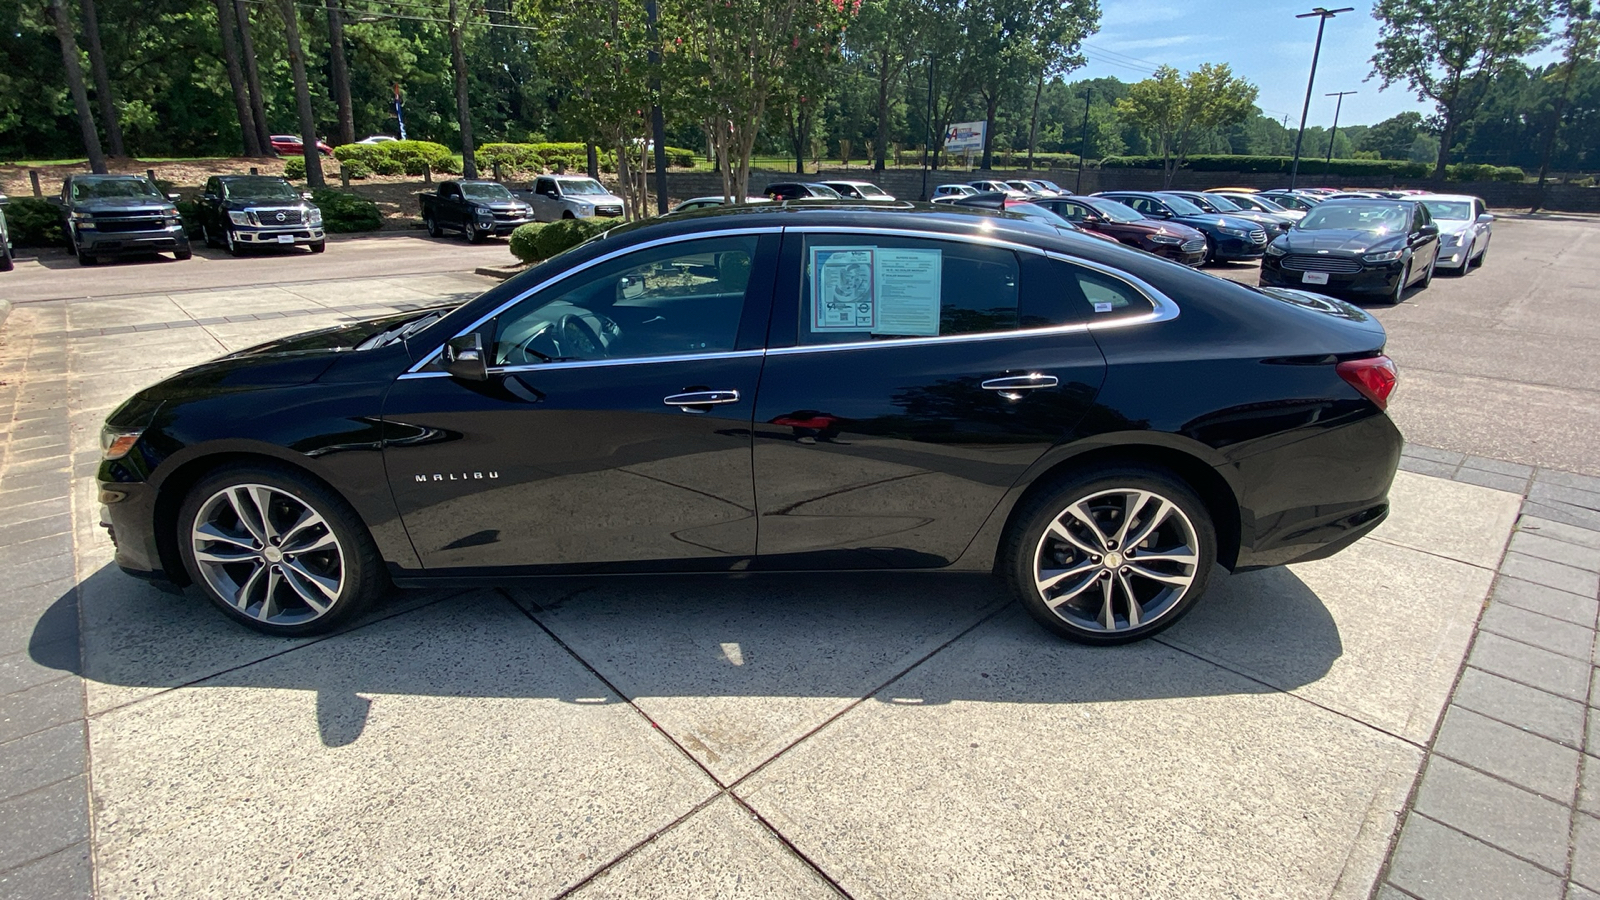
pixel 842 289
pixel 907 288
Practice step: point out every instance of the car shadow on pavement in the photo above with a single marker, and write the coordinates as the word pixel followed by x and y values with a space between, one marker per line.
pixel 831 636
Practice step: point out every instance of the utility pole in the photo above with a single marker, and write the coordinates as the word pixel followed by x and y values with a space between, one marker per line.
pixel 1327 164
pixel 927 148
pixel 1322 15
pixel 1083 140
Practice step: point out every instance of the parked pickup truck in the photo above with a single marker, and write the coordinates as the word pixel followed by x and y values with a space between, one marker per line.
pixel 477 209
pixel 570 197
pixel 242 212
pixel 115 215
pixel 5 239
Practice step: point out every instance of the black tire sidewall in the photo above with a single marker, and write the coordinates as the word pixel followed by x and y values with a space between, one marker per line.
pixel 363 569
pixel 1041 508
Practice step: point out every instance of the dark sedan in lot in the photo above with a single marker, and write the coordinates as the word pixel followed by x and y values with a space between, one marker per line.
pixel 243 212
pixel 784 389
pixel 1373 247
pixel 1228 238
pixel 1101 215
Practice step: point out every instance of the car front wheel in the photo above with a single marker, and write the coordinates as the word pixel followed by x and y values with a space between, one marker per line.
pixel 1111 555
pixel 1399 291
pixel 277 551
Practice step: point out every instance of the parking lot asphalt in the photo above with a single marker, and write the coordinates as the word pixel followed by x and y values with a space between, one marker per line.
pixel 758 736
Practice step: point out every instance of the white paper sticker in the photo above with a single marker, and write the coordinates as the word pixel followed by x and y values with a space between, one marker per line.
pixel 1104 306
pixel 842 289
pixel 908 286
pixel 285 238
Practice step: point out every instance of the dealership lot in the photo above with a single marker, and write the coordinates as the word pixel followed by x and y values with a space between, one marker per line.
pixel 765 736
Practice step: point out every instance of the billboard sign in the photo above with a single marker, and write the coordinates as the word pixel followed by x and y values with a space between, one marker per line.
pixel 964 137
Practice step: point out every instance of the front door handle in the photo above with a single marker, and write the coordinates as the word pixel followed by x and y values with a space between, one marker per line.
pixel 698 401
pixel 1012 386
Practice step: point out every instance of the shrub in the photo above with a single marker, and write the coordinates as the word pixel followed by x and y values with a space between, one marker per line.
pixel 34 222
pixel 189 212
pixel 1483 172
pixel 524 241
pixel 416 166
pixel 533 158
pixel 1276 165
pixel 557 237
pixel 294 168
pixel 357 169
pixel 343 213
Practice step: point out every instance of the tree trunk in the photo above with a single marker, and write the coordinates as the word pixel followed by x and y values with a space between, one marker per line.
pixel 1033 129
pixel 884 76
pixel 302 93
pixel 469 166
pixel 1445 138
pixel 339 73
pixel 102 80
pixel 241 94
pixel 80 96
pixel 1555 130
pixel 594 159
pixel 991 101
pixel 252 78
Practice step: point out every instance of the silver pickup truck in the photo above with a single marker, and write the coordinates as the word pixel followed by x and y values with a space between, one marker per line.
pixel 569 197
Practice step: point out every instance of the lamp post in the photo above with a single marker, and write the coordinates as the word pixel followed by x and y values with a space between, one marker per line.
pixel 1327 164
pixel 1083 142
pixel 1322 14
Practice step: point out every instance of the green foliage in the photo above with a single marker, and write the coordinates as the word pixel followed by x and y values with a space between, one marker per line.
pixel 1275 164
pixel 565 234
pixel 356 169
pixel 343 212
pixel 400 158
pixel 294 168
pixel 189 212
pixel 538 158
pixel 524 241
pixel 1177 108
pixel 1392 138
pixel 1482 172
pixel 34 222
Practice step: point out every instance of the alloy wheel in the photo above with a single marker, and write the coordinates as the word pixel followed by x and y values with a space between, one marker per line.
pixel 1116 560
pixel 268 554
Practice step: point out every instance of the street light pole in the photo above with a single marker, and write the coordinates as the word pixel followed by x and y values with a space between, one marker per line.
pixel 1327 164
pixel 1323 15
pixel 1083 142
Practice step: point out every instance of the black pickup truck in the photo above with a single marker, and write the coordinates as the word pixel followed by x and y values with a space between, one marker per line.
pixel 118 215
pixel 477 209
pixel 241 212
pixel 5 238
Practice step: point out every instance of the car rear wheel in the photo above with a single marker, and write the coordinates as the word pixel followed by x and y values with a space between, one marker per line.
pixel 6 264
pixel 277 551
pixel 433 227
pixel 1111 555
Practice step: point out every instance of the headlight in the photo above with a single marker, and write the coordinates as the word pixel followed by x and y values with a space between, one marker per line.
pixel 1236 232
pixel 1165 239
pixel 239 218
pixel 314 216
pixel 1274 250
pixel 1384 256
pixel 83 220
pixel 1449 240
pixel 116 442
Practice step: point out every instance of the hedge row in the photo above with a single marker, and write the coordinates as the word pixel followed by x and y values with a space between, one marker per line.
pixel 537 241
pixel 400 157
pixel 1358 167
pixel 343 213
pixel 548 156
pixel 34 222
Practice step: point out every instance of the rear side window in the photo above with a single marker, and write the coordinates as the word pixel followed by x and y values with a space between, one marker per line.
pixel 1063 293
pixel 871 287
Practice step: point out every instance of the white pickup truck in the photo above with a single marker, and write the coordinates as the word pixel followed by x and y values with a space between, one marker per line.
pixel 569 197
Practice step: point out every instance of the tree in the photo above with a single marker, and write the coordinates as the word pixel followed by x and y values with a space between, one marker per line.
pixel 458 61
pixel 1449 52
pixel 1392 138
pixel 1007 42
pixel 252 76
pixel 302 94
pixel 227 26
pixel 884 35
pixel 1178 108
pixel 339 73
pixel 102 80
pixel 1580 42
pixel 80 96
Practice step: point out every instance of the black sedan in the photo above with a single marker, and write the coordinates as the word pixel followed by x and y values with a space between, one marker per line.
pixel 1228 238
pixel 781 389
pixel 1373 247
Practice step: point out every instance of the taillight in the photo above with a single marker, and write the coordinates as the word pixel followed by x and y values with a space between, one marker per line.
pixel 1375 377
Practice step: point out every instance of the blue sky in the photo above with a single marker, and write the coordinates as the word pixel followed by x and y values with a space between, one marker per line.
pixel 1264 43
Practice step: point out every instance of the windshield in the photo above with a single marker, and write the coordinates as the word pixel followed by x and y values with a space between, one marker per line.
pixel 260 188
pixel 822 190
pixel 1181 206
pixel 97 188
pixel 484 190
pixel 582 186
pixel 1268 205
pixel 1116 212
pixel 1449 209
pixel 1051 185
pixel 1220 204
pixel 871 190
pixel 1376 218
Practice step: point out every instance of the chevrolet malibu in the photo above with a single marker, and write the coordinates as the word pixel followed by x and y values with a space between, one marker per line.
pixel 779 389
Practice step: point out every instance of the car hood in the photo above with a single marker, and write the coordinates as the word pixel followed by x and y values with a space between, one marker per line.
pixel 296 359
pixel 122 205
pixel 1333 240
pixel 597 199
pixel 1227 220
pixel 1452 226
pixel 264 203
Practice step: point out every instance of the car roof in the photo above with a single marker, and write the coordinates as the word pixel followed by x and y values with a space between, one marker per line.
pixel 107 178
pixel 853 183
pixel 1466 197
pixel 237 177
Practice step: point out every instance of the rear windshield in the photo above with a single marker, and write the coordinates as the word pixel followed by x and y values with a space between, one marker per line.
pixel 98 188
pixel 1377 218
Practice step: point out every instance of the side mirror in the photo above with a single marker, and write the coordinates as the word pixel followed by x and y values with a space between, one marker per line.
pixel 208 196
pixel 463 358
pixel 1429 230
pixel 1486 218
pixel 305 195
pixel 57 201
pixel 174 197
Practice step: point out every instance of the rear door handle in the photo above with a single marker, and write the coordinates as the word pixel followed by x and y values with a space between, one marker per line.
pixel 1012 386
pixel 697 401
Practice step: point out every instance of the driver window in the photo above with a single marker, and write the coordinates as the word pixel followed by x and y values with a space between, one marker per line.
pixel 672 300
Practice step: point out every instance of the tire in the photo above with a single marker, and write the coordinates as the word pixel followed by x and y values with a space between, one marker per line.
pixel 205 233
pixel 72 241
pixel 233 245
pixel 6 263
pixel 433 227
pixel 1476 263
pixel 1428 278
pixel 1078 608
pixel 319 246
pixel 339 569
pixel 472 234
pixel 183 254
pixel 567 214
pixel 1211 252
pixel 87 259
pixel 1400 287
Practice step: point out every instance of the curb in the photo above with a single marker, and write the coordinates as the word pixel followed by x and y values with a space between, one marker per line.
pixel 500 272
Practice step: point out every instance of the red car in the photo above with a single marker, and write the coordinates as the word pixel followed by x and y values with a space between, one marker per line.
pixel 1108 218
pixel 1026 206
pixel 291 145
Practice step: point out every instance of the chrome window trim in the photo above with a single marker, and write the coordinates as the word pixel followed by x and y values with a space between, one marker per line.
pixel 1165 309
pixel 603 258
pixel 989 240
pixel 597 363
